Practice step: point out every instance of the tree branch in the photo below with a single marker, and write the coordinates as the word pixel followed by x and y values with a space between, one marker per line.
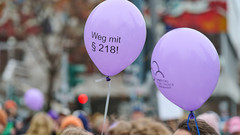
pixel 36 57
pixel 45 49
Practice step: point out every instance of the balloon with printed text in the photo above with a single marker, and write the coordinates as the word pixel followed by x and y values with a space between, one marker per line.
pixel 185 67
pixel 114 35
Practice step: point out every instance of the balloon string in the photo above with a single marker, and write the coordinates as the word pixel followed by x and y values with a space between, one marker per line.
pixel 191 116
pixel 107 102
pixel 99 80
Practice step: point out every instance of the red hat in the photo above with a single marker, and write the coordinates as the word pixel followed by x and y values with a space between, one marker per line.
pixel 9 104
pixel 71 121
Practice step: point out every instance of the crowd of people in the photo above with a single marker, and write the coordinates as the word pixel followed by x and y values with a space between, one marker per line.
pixel 80 123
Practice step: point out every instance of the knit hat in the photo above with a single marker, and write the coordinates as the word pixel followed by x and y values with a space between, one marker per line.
pixel 3 117
pixel 212 119
pixel 234 125
pixel 71 121
pixel 9 104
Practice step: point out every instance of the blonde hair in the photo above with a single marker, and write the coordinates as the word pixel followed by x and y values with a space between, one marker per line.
pixel 74 131
pixel 97 122
pixel 41 124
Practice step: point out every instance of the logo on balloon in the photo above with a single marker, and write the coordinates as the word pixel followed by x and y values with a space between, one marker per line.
pixel 159 77
pixel 157 71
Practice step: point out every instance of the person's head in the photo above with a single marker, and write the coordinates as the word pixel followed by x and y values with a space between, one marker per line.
pixel 3 120
pixel 137 113
pixel 11 108
pixel 120 128
pixel 75 131
pixel 41 124
pixel 203 127
pixel 146 126
pixel 71 121
pixel 141 126
pixel 234 125
pixel 212 119
pixel 97 121
pixel 83 116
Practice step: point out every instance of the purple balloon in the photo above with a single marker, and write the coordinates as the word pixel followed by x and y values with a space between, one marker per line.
pixel 114 35
pixel 34 99
pixel 185 67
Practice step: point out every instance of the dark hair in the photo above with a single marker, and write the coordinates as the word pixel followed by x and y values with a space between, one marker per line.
pixel 203 127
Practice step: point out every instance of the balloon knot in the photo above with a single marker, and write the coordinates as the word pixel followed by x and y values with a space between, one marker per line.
pixel 191 115
pixel 108 78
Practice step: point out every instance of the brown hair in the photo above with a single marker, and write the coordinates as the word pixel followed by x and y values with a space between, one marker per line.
pixel 203 127
pixel 146 126
pixel 120 128
pixel 74 131
pixel 3 117
pixel 142 126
